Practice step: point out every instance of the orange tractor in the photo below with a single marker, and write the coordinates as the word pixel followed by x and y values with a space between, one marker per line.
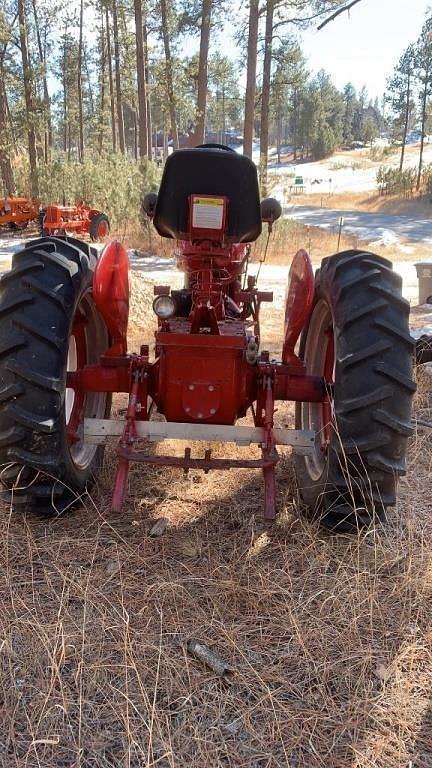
pixel 17 212
pixel 346 359
pixel 78 219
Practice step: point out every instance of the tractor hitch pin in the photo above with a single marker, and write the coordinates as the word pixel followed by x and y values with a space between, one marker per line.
pixel 187 455
pixel 269 453
pixel 126 441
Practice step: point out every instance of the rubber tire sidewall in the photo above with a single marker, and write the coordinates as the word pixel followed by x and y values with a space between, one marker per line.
pixel 77 478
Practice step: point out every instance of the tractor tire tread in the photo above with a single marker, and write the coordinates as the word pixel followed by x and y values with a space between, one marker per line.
pixel 50 273
pixel 374 388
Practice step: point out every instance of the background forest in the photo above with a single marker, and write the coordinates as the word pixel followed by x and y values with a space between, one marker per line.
pixel 93 94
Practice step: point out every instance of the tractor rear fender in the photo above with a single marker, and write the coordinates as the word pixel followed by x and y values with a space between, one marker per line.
pixel 111 294
pixel 92 212
pixel 298 306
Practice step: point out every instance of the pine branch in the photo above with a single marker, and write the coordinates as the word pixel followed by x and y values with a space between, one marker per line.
pixel 337 13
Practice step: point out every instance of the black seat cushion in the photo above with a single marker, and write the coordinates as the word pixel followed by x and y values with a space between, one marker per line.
pixel 209 171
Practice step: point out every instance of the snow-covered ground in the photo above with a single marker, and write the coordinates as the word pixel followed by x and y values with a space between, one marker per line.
pixel 339 174
pixel 375 228
pixel 272 277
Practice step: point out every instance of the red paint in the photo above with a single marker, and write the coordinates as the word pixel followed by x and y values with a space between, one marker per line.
pixel 200 373
pixel 328 377
pixel 111 294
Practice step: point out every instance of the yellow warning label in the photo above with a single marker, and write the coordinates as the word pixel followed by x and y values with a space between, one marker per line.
pixel 208 201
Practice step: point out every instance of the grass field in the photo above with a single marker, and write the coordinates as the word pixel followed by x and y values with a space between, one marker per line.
pixel 330 637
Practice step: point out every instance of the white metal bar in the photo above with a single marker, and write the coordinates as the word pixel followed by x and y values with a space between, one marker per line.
pixel 99 430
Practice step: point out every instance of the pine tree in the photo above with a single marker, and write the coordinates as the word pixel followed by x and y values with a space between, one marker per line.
pixel 399 96
pixel 251 72
pixel 28 96
pixel 349 97
pixel 423 68
pixel 141 80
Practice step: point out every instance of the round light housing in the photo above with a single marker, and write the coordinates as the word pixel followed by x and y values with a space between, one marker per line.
pixel 164 307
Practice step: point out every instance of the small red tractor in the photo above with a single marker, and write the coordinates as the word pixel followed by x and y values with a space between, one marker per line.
pixel 17 212
pixel 346 358
pixel 79 219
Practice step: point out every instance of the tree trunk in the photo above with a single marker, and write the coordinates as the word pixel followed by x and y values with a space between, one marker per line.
pixel 165 143
pixel 5 162
pixel 251 78
pixel 169 73
pixel 223 115
pixel 102 87
pixel 147 79
pixel 265 96
pixel 65 102
pixel 295 123
pixel 407 111
pixel 111 82
pixel 46 97
pixel 69 142
pixel 135 119
pixel 79 88
pixel 199 133
pixel 11 125
pixel 27 77
pixel 279 137
pixel 89 82
pixel 120 120
pixel 423 126
pixel 141 80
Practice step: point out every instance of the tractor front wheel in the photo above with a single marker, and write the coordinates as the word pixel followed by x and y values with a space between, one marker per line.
pixel 99 227
pixel 49 325
pixel 18 226
pixel 358 339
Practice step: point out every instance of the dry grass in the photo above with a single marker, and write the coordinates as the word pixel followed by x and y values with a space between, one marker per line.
pixel 331 636
pixel 416 206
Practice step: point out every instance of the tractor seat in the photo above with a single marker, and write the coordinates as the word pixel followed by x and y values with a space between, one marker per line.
pixel 209 170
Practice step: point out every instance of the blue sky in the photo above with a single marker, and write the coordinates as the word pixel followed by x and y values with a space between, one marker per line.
pixel 364 46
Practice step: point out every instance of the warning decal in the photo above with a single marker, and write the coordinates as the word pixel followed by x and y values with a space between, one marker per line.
pixel 207 212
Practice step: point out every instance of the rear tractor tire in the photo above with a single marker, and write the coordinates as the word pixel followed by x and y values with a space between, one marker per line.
pixel 357 335
pixel 49 325
pixel 99 227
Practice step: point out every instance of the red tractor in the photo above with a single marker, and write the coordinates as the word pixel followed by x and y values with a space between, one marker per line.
pixel 79 219
pixel 17 212
pixel 346 360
